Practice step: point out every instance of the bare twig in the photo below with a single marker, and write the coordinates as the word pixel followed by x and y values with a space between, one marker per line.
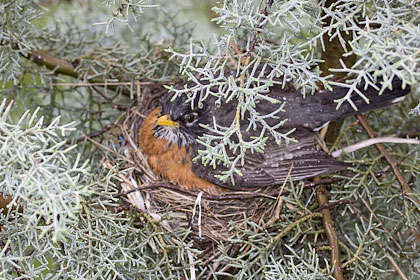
pixel 62 66
pixel 215 255
pixel 98 84
pixel 279 201
pixel 255 38
pixel 91 135
pixel 110 101
pixel 330 232
pixel 334 204
pixel 404 186
pixel 373 141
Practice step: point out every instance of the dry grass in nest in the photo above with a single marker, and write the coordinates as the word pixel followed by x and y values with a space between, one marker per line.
pixel 210 217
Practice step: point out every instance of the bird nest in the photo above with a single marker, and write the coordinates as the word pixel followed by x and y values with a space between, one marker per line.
pixel 211 218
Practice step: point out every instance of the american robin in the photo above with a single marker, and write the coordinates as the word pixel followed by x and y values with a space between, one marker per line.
pixel 169 133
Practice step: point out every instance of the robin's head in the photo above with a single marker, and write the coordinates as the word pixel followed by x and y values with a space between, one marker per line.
pixel 179 122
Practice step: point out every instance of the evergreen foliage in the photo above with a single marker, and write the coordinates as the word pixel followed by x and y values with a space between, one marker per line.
pixel 68 69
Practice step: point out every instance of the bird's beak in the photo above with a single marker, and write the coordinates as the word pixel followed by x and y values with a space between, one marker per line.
pixel 166 121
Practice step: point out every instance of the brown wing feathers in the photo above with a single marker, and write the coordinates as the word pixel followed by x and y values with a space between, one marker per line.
pixel 305 115
pixel 272 167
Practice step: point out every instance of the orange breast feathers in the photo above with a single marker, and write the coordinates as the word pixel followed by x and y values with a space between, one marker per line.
pixel 170 161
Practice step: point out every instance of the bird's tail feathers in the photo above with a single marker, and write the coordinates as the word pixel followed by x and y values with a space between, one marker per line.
pixel 388 97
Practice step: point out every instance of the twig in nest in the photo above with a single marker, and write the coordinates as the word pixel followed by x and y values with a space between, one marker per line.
pixel 215 255
pixel 192 266
pixel 205 252
pixel 230 196
pixel 279 201
pixel 110 151
pixel 405 188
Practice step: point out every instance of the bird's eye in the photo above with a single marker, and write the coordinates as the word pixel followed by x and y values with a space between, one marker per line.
pixel 190 118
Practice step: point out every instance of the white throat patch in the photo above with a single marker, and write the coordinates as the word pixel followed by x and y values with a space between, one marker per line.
pixel 174 135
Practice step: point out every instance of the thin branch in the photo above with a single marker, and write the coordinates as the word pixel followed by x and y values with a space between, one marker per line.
pixel 217 254
pixel 330 231
pixel 405 188
pixel 373 141
pixel 334 204
pixel 279 202
pixel 255 39
pixel 99 84
pixel 62 66
pixel 91 135
pixel 65 67
pixel 110 102
pixel 59 65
